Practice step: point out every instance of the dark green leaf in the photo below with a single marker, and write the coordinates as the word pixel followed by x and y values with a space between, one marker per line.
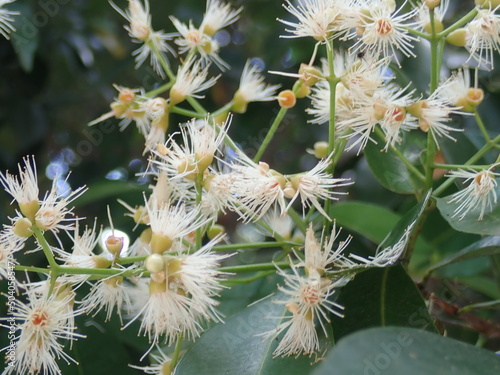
pixel 490 225
pixel 26 37
pixel 235 347
pixel 381 297
pixel 485 247
pixel 388 168
pixel 394 350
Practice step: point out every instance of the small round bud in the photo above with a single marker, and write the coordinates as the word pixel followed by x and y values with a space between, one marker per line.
pixel 155 263
pixel 431 4
pixel 114 244
pixel 301 90
pixel 310 74
pixel 22 227
pixel 29 209
pixel 438 26
pixel 457 37
pixel 289 192
pixel 215 230
pixel 287 99
pixel 490 4
pixel 160 243
pixel 321 149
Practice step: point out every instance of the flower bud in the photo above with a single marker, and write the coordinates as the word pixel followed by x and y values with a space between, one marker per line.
pixel 301 90
pixel 320 149
pixel 431 4
pixel 155 263
pixel 22 227
pixel 457 37
pixel 287 99
pixel 310 74
pixel 438 26
pixel 29 209
pixel 215 230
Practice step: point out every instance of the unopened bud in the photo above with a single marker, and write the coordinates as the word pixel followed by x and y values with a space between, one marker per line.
pixel 321 149
pixel 287 99
pixel 215 230
pixel 29 209
pixel 431 4
pixel 457 37
pixel 155 263
pixel 22 227
pixel 438 26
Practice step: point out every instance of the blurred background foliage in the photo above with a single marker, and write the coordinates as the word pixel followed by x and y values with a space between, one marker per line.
pixel 58 72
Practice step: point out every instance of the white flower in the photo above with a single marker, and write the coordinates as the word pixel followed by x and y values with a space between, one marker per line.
pixel 160 365
pixel 168 313
pixel 197 274
pixel 191 79
pixel 316 184
pixel 387 256
pixel 193 39
pixel 54 214
pixel 217 16
pixel 277 224
pixel 483 36
pixel 480 195
pixel 435 112
pixel 153 42
pixel 320 256
pixel 25 188
pixel 309 299
pixel 42 322
pixel 106 294
pixel 5 19
pixel 257 188
pixel 320 19
pixel 8 246
pixel 252 87
pixel 384 32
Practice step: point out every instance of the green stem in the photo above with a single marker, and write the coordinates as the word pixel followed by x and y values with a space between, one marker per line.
pixel 163 62
pixel 223 109
pixel 270 134
pixel 32 269
pixel 45 247
pixel 462 21
pixel 417 33
pixel 247 280
pixel 160 89
pixel 297 219
pixel 460 166
pixel 177 351
pixel 481 126
pixel 254 245
pixel 186 112
pixel 196 106
pixel 199 195
pixel 403 158
pixel 332 81
pixel 255 267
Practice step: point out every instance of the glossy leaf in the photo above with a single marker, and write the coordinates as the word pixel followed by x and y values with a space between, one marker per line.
pixel 26 37
pixel 485 247
pixel 381 297
pixel 490 225
pixel 235 347
pixel 395 350
pixel 388 168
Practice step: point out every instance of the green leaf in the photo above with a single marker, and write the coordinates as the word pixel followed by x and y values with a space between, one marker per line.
pixel 394 350
pixel 388 168
pixel 485 247
pixel 25 39
pixel 381 297
pixel 235 347
pixel 484 285
pixel 107 189
pixel 490 225
pixel 367 219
